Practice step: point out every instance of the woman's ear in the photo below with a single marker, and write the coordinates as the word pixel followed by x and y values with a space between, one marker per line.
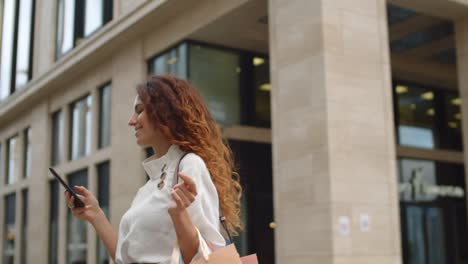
pixel 164 131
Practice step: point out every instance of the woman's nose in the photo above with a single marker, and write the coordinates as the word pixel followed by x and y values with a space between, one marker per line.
pixel 131 122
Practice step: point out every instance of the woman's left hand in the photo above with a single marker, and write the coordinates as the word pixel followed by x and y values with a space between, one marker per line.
pixel 183 194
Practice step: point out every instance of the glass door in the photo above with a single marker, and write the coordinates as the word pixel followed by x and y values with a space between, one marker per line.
pixel 425 235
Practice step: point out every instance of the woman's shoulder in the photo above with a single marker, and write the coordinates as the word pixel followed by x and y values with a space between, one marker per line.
pixel 195 166
pixel 192 159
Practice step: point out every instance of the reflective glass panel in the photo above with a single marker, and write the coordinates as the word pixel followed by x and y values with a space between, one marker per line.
pixel 6 64
pixel 103 198
pixel 80 136
pixel 24 227
pixel 93 16
pixel 9 239
pixel 104 116
pixel 262 84
pixel 27 153
pixel 65 26
pixel 23 51
pixel 452 124
pixel 53 221
pixel 57 138
pixel 416 116
pixel 216 73
pixel 12 160
pixel 172 62
pixel 76 229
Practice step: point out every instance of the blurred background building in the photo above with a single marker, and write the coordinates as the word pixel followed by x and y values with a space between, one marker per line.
pixel 346 119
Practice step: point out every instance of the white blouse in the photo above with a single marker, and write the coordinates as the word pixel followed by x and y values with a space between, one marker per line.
pixel 146 231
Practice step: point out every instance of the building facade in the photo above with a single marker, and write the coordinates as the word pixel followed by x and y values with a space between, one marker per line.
pixel 345 117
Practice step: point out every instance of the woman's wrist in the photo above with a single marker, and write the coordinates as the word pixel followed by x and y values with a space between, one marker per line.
pixel 178 214
pixel 98 218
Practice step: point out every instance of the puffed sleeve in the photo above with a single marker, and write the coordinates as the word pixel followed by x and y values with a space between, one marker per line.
pixel 204 211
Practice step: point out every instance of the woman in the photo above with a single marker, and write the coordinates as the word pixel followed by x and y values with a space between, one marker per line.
pixel 170 116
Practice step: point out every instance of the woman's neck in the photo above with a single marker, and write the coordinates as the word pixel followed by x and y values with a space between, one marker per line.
pixel 160 149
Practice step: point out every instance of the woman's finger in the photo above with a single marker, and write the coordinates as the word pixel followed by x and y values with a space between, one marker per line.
pixel 189 182
pixel 185 200
pixel 186 192
pixel 83 191
pixel 67 195
pixel 177 199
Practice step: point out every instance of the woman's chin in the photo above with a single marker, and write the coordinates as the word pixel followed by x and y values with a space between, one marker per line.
pixel 142 143
pixel 139 143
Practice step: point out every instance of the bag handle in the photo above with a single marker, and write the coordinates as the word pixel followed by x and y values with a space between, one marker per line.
pixel 222 218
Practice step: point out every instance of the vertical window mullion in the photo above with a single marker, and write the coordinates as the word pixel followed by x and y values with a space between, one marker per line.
pixel 107 12
pixel 15 50
pixel 24 227
pixel 31 44
pixel 79 22
pixel 53 221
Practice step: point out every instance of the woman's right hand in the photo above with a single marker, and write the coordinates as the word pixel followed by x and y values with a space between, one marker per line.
pixel 91 211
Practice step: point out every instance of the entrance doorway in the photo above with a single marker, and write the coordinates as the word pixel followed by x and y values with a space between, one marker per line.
pixel 255 168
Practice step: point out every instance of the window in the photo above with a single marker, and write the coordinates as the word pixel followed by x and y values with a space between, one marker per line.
pixel 76 229
pixel 104 116
pixel 53 221
pixel 262 87
pixel 427 118
pixel 172 62
pixel 24 227
pixel 234 84
pixel 57 138
pixel 16 52
pixel 12 160
pixel 9 230
pixel 80 132
pixel 216 74
pixel 78 19
pixel 103 198
pixel 452 125
pixel 27 153
pixel 416 111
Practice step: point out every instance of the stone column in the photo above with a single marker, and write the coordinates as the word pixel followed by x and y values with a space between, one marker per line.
pixel 39 193
pixel 461 36
pixel 126 171
pixel 333 133
pixel 44 42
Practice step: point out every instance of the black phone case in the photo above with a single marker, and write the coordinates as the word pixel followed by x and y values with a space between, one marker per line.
pixel 77 201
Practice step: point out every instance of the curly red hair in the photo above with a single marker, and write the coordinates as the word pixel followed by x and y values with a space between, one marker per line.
pixel 178 110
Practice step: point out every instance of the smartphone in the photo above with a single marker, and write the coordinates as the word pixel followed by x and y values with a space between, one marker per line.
pixel 77 201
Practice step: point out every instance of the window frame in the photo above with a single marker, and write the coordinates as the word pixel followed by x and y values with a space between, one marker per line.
pixel 441 145
pixel 7 161
pixel 100 139
pixel 246 79
pixel 59 117
pixel 87 96
pixel 12 85
pixel 78 29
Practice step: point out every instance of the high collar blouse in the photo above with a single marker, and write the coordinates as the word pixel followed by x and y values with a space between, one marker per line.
pixel 146 232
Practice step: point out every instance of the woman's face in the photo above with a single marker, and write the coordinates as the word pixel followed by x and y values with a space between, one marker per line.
pixel 145 133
